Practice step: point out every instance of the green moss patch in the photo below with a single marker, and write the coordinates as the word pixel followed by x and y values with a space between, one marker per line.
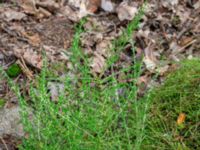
pixel 2 102
pixel 14 70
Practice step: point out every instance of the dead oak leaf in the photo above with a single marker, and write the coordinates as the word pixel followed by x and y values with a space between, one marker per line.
pixel 30 57
pixel 33 59
pixel 32 39
pixel 70 13
pixel 98 63
pixel 50 5
pixel 181 119
pixel 11 15
pixel 85 6
pixel 29 6
pixel 103 48
pixel 150 59
pixel 126 11
pixel 93 5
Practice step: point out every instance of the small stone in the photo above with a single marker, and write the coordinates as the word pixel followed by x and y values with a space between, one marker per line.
pixel 10 122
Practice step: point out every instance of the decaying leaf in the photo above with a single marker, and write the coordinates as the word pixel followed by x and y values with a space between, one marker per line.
pixel 71 14
pixel 150 64
pixel 181 118
pixel 11 15
pixel 169 3
pixel 32 39
pixel 29 6
pixel 107 5
pixel 150 59
pixel 126 11
pixel 162 70
pixel 85 6
pixel 103 48
pixel 55 90
pixel 93 5
pixel 33 58
pixel 50 5
pixel 98 63
pixel 30 57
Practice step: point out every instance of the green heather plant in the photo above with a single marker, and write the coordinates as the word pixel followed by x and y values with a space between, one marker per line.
pixel 92 112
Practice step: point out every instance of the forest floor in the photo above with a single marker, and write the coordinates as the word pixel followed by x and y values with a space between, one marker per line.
pixel 168 32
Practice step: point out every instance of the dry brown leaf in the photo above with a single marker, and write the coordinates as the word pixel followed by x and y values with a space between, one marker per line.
pixel 33 58
pixel 149 59
pixel 143 79
pixel 126 11
pixel 85 6
pixel 50 5
pixel 93 5
pixel 11 15
pixel 181 119
pixel 30 57
pixel 55 90
pixel 169 3
pixel 29 6
pixel 71 14
pixel 32 39
pixel 75 3
pixel 98 63
pixel 150 64
pixel 103 48
pixel 174 47
pixel 162 70
pixel 183 15
pixel 185 40
pixel 42 13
